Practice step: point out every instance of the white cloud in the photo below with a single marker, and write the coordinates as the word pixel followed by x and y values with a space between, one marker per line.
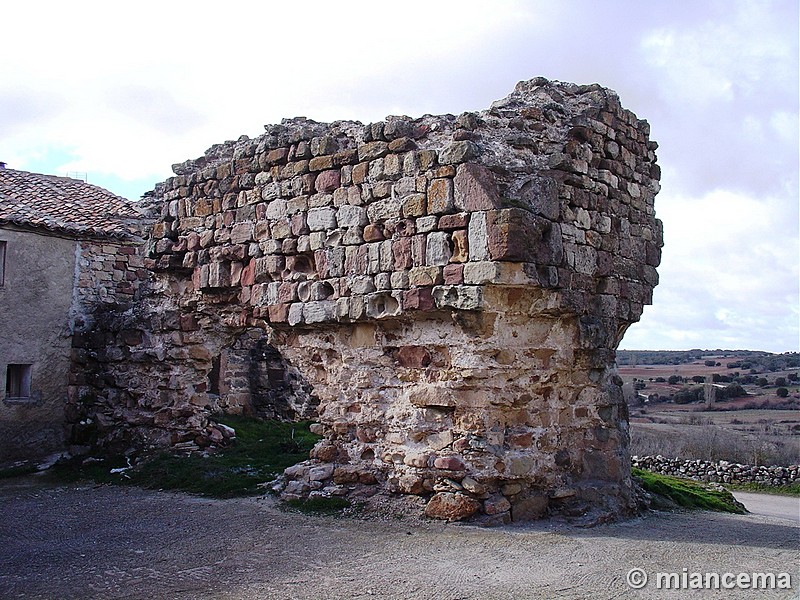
pixel 122 91
pixel 729 277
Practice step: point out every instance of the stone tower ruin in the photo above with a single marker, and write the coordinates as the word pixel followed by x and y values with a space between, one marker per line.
pixel 443 295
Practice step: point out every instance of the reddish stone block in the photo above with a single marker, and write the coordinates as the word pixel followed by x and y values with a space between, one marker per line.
pixel 327 181
pixel 299 224
pixel 514 234
pixel 413 357
pixel 373 233
pixel 440 196
pixel 193 242
pixel 451 507
pixel 287 292
pixel 453 274
pixel 278 313
pixel 449 463
pixel 356 261
pixel 401 250
pixel 360 172
pixel 475 188
pixel 345 157
pixel 320 163
pixel 189 323
pixel 457 221
pixel 402 144
pixel 418 244
pixel 248 273
pixel 521 440
pixel 321 263
pixel 418 299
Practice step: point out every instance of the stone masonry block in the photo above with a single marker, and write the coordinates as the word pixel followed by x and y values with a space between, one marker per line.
pixel 327 181
pixel 352 216
pixel 461 297
pixel 453 274
pixel 478 237
pixel 475 188
pixel 438 248
pixel 320 219
pixel 440 196
pixel 382 305
pixel 372 150
pixel 458 152
pixel 414 205
pixel 514 234
pixel 295 316
pixel 460 243
pixel 420 298
pixel 319 311
pixel 424 276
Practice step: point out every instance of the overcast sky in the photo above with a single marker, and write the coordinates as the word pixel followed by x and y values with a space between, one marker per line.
pixel 121 91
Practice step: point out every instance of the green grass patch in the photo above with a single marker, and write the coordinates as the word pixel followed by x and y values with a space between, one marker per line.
pixel 687 493
pixel 792 489
pixel 17 471
pixel 262 450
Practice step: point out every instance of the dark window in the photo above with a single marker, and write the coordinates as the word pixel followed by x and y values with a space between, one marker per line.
pixel 2 263
pixel 18 381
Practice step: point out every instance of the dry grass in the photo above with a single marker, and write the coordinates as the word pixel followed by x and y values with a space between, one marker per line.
pixel 699 439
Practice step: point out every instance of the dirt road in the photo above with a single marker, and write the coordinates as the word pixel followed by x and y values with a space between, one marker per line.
pixel 110 542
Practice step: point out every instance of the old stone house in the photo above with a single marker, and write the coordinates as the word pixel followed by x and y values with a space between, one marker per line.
pixel 66 246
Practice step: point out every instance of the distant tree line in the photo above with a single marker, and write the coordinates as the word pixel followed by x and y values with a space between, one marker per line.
pixel 760 362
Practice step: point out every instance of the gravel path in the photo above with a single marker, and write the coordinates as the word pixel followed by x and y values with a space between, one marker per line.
pixel 110 542
pixel 770 505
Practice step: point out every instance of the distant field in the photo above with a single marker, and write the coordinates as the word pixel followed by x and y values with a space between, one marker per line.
pixel 760 428
pixel 757 395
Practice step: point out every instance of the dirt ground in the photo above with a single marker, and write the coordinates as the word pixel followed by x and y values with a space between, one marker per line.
pixel 82 541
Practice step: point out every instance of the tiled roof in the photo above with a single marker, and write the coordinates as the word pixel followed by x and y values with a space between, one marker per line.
pixel 63 205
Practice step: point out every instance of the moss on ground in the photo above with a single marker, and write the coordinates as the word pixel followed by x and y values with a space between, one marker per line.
pixel 262 450
pixel 687 493
pixel 25 469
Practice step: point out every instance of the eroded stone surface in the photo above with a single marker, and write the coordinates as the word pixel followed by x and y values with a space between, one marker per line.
pixel 444 295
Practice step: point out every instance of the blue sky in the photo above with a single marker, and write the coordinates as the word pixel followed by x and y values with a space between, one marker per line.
pixel 122 91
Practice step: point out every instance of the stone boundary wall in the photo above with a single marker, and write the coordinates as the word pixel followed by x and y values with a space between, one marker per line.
pixel 718 471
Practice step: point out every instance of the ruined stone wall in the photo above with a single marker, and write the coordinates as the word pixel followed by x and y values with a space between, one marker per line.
pixel 109 271
pixel 446 294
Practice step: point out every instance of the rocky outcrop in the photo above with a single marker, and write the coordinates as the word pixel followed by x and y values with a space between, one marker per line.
pixel 444 294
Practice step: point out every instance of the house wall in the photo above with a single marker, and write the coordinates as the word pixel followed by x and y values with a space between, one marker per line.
pixel 35 324
pixel 53 286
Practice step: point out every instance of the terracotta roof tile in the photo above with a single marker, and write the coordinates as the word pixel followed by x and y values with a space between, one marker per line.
pixel 64 205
